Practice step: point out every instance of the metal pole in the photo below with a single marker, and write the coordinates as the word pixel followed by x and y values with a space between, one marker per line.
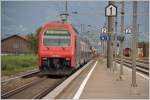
pixel 66 10
pixel 66 7
pixel 115 42
pixel 81 28
pixel 105 42
pixel 121 41
pixel 134 87
pixel 109 42
pixel 134 44
pixel 103 48
pixel 65 14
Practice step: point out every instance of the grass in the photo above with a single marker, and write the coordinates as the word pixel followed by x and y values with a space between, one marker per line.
pixel 14 64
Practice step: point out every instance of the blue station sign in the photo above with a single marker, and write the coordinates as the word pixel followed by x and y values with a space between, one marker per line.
pixel 104 37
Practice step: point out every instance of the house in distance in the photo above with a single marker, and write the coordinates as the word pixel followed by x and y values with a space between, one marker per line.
pixel 15 44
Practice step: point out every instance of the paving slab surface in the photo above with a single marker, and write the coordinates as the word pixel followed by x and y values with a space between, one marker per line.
pixel 103 84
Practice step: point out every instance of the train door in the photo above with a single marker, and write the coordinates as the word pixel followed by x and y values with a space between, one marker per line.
pixel 77 53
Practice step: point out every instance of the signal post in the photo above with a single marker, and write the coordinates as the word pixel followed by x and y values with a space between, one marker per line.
pixel 111 13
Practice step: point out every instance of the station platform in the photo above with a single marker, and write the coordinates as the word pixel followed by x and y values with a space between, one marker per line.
pixel 98 82
pixel 105 84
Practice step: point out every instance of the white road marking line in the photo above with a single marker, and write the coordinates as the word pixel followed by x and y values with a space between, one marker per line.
pixel 81 88
pixel 136 72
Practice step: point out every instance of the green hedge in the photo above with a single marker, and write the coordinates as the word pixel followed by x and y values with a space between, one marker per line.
pixel 16 63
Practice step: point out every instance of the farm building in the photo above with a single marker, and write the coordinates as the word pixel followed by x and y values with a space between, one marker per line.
pixel 143 48
pixel 15 44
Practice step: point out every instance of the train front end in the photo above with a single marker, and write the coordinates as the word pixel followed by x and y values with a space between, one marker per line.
pixel 56 49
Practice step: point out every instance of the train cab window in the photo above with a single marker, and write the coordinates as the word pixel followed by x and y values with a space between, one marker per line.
pixel 57 38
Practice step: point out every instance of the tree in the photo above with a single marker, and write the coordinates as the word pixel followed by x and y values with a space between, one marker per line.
pixel 33 40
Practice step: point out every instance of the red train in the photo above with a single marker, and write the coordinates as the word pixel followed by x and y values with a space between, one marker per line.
pixel 61 49
pixel 127 52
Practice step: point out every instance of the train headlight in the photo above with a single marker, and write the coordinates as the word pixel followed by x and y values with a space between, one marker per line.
pixel 44 61
pixel 67 62
pixel 67 58
pixel 44 58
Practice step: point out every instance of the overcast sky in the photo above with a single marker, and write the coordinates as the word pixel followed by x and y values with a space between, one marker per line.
pixel 26 16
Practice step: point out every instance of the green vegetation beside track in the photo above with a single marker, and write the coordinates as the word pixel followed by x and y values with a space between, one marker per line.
pixel 13 64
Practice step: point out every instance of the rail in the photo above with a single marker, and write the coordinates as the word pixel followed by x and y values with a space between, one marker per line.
pixel 21 76
pixel 33 90
pixel 141 67
pixel 14 91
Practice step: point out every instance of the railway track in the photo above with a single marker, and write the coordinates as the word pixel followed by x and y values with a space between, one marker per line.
pixel 38 88
pixel 28 85
pixel 140 66
pixel 142 61
pixel 145 61
pixel 25 75
pixel 33 90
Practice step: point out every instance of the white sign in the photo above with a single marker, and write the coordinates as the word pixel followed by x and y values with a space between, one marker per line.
pixel 128 31
pixel 111 11
pixel 103 30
